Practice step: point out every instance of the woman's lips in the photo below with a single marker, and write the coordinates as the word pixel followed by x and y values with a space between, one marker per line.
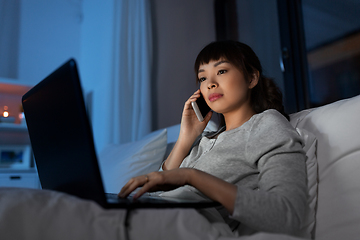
pixel 214 96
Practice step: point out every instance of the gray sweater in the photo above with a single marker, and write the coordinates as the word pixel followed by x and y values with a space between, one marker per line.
pixel 265 159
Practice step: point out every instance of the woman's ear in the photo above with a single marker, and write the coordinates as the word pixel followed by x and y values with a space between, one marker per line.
pixel 254 80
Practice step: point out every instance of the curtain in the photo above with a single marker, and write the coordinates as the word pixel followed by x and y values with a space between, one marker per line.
pixel 131 86
pixel 9 37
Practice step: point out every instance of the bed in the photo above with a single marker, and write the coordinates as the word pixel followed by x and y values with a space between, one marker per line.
pixel 332 147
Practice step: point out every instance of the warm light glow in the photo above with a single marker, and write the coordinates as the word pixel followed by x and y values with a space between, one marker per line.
pixel 5 113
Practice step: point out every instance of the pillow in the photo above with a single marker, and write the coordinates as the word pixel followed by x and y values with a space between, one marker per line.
pixel 338 152
pixel 120 162
pixel 310 144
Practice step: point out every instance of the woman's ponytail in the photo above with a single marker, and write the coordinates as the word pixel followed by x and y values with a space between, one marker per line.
pixel 266 95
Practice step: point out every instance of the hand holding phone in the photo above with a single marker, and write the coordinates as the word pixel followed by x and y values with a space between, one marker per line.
pixel 200 107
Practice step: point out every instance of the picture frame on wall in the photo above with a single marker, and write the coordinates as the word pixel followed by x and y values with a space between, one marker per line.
pixel 15 156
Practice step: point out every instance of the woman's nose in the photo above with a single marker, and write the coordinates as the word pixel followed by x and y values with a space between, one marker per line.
pixel 211 82
pixel 212 85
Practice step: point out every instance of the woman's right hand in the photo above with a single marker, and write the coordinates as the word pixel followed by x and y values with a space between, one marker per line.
pixel 191 127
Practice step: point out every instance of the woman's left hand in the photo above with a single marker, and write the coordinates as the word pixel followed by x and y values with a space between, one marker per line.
pixel 211 186
pixel 156 181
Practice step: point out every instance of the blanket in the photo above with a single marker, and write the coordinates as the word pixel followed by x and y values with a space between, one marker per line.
pixel 48 215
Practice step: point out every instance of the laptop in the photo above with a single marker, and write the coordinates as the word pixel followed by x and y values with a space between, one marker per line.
pixel 63 146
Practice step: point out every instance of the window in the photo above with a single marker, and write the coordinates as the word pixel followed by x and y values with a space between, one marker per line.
pixel 332 37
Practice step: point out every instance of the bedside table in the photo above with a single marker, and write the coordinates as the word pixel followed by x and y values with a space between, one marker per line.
pixel 19 178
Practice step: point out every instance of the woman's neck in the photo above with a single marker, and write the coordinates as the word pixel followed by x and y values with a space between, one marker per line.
pixel 236 119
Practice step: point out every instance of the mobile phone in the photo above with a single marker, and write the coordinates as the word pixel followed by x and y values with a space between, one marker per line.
pixel 200 107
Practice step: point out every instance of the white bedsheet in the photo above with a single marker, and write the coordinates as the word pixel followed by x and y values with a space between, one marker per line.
pixel 47 215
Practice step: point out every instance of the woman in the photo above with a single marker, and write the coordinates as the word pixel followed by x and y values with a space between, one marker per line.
pixel 254 165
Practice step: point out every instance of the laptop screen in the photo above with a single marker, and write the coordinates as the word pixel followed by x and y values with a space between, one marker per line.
pixel 61 135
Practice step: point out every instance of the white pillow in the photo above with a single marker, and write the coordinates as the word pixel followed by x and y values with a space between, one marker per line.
pixel 310 145
pixel 120 162
pixel 338 152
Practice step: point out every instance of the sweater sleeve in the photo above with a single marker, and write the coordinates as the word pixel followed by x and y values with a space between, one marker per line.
pixel 279 201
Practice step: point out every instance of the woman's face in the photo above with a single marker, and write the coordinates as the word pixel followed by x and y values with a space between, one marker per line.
pixel 224 86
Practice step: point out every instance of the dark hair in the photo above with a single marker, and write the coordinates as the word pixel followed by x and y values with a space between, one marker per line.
pixel 265 95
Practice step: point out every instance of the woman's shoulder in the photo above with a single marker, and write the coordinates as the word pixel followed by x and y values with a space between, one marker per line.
pixel 271 120
pixel 272 128
pixel 271 117
pixel 273 114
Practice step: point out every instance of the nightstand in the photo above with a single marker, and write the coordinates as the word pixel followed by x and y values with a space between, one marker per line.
pixel 19 178
pixel 17 168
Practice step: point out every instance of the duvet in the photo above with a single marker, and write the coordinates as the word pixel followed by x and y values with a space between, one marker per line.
pixel 47 215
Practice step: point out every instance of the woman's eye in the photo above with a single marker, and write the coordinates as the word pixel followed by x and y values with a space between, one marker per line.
pixel 202 79
pixel 221 72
